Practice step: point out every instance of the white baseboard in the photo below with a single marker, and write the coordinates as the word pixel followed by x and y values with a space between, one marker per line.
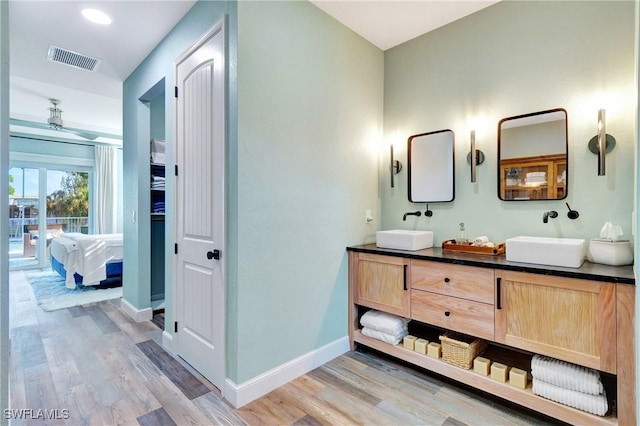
pixel 167 342
pixel 138 315
pixel 244 393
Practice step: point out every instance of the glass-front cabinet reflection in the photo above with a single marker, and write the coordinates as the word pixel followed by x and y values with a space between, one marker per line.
pixel 533 178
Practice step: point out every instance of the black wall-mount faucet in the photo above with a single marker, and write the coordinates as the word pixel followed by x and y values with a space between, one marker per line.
pixel 573 214
pixel 416 213
pixel 428 212
pixel 550 214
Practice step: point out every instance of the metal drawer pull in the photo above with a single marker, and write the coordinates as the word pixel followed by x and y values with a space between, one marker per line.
pixel 404 277
pixel 446 280
pixel 447 313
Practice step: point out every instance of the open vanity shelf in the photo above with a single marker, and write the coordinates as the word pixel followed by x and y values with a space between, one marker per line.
pixel 524 397
pixel 583 316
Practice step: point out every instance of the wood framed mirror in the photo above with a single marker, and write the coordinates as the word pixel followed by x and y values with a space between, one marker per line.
pixel 532 156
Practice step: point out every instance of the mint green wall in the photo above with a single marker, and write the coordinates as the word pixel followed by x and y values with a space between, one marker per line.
pixel 137 131
pixel 513 58
pixel 309 120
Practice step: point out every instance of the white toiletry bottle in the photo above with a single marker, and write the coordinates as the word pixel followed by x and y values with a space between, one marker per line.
pixel 461 239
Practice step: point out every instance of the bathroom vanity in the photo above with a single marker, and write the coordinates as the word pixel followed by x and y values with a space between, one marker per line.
pixel 585 316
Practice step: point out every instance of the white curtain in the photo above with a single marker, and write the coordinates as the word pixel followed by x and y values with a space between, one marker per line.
pixel 105 211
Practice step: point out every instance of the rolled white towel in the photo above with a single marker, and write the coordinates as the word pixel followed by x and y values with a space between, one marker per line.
pixel 480 241
pixel 385 337
pixel 387 323
pixel 594 404
pixel 566 375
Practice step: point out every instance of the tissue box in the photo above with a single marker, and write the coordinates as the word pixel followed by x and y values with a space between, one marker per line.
pixel 607 252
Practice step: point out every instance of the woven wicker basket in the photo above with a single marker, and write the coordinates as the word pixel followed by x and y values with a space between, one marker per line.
pixel 461 350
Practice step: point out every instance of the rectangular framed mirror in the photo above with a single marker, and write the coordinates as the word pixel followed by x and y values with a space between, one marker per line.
pixel 532 156
pixel 431 167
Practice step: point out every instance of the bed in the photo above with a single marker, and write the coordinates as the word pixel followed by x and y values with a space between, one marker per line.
pixel 90 260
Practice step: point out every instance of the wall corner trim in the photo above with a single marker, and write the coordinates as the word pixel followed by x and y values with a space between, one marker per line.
pixel 138 315
pixel 167 342
pixel 244 393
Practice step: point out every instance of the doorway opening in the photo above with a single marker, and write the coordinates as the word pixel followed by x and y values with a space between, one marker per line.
pixel 44 202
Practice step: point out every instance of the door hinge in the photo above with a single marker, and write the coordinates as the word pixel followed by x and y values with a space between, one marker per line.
pixel 175 248
pixel 175 91
pixel 175 170
pixel 175 327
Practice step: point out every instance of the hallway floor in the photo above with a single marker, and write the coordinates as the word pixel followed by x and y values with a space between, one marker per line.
pixel 92 365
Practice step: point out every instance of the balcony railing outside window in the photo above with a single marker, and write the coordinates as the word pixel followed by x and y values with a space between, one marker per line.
pixel 69 224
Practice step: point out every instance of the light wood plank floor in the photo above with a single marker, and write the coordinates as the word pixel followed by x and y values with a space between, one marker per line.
pixel 96 366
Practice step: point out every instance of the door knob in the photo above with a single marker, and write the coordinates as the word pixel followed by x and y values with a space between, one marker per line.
pixel 213 255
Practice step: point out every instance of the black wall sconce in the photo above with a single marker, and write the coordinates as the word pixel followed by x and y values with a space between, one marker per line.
pixel 395 166
pixel 602 143
pixel 475 157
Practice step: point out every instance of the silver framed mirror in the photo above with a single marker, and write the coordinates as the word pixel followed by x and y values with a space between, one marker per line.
pixel 533 156
pixel 431 167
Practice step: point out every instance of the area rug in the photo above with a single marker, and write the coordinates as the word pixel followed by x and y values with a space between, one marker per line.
pixel 51 293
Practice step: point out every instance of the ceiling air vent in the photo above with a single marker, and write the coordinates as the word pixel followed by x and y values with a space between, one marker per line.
pixel 73 59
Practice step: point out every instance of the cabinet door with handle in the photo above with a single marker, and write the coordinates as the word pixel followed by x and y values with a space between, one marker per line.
pixel 382 283
pixel 565 318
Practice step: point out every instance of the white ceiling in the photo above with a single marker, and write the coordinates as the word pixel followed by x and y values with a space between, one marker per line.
pixel 93 100
pixel 388 23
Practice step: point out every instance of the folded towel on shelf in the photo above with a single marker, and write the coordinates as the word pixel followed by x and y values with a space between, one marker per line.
pixel 157 151
pixel 594 404
pixel 566 375
pixel 387 323
pixel 392 339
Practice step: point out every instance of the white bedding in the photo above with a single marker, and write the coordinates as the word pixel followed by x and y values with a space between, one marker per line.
pixel 86 255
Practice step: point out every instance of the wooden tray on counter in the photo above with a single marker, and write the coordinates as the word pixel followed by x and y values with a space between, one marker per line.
pixel 497 249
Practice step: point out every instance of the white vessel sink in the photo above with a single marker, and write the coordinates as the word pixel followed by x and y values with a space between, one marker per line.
pixel 569 252
pixel 404 240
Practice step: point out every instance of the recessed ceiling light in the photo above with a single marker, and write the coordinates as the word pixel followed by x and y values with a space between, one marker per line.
pixel 96 16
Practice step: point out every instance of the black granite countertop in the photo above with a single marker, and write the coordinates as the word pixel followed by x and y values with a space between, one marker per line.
pixel 588 271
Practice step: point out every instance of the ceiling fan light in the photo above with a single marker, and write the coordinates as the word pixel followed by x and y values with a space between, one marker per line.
pixel 96 16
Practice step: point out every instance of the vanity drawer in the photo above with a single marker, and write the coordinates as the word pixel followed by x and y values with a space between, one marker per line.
pixel 465 282
pixel 452 313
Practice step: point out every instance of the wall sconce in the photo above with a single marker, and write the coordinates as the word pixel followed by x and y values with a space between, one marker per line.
pixel 475 157
pixel 395 166
pixel 602 143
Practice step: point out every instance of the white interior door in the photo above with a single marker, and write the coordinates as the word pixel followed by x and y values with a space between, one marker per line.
pixel 199 287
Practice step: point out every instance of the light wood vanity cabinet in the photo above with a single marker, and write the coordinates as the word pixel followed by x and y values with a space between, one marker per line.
pixel 586 322
pixel 565 318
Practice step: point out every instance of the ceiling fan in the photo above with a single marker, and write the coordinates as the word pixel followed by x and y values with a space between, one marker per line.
pixel 55 122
